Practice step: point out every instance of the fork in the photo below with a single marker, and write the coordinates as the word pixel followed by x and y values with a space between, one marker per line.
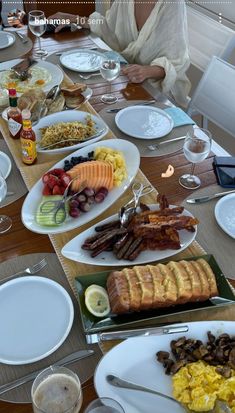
pixel 33 269
pixel 157 145
pixel 86 77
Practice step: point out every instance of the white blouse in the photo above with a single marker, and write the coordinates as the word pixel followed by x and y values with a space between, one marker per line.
pixel 162 41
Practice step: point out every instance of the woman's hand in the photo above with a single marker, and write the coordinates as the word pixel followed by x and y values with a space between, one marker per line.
pixel 139 73
pixel 73 18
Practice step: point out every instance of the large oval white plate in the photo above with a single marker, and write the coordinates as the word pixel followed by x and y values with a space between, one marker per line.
pixel 6 39
pixel 33 198
pixel 144 122
pixel 55 72
pixel 5 164
pixel 135 360
pixel 82 60
pixel 68 116
pixel 36 315
pixel 73 250
pixel 225 214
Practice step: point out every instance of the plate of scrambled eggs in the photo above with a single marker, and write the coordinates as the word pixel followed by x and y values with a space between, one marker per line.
pixel 43 75
pixel 135 360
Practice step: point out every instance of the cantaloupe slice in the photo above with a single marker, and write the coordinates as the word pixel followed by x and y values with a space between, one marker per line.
pixel 97 174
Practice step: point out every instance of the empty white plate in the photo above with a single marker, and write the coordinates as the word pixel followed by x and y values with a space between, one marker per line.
pixel 225 214
pixel 82 60
pixel 6 39
pixel 36 315
pixel 5 164
pixel 144 122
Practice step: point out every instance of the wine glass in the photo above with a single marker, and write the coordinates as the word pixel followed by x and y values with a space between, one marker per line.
pixel 104 405
pixel 5 221
pixel 197 146
pixel 37 25
pixel 109 70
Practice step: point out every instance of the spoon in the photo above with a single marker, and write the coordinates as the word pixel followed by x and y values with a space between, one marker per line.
pixel 126 213
pixel 52 94
pixel 220 407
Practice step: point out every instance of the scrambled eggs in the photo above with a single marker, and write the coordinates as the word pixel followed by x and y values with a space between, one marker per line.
pixel 116 159
pixel 198 385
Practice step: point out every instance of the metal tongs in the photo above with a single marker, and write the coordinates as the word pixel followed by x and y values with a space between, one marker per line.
pixel 128 211
pixel 59 205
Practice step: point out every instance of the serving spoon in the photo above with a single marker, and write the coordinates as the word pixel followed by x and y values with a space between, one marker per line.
pixel 220 407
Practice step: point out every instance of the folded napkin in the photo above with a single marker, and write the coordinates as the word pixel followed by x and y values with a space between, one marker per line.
pixel 179 117
pixel 116 56
pixel 224 167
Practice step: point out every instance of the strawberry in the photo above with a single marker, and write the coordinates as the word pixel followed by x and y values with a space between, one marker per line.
pixel 45 178
pixel 57 171
pixel 65 179
pixel 56 190
pixel 52 181
pixel 46 190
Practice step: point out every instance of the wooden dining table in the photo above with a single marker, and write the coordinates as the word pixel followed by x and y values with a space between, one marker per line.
pixel 19 240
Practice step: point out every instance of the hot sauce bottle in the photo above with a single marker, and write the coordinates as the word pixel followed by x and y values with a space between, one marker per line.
pixel 28 139
pixel 14 115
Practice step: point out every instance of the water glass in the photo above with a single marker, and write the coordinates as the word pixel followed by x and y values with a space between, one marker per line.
pixel 109 70
pixel 104 405
pixel 197 146
pixel 5 221
pixel 37 25
pixel 56 390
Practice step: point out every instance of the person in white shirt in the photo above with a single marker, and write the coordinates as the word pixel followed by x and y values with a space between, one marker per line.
pixel 152 36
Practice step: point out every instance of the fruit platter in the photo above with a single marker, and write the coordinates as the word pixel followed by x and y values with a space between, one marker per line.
pixel 80 187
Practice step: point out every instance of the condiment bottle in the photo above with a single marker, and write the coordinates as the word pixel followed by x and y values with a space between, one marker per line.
pixel 14 115
pixel 28 139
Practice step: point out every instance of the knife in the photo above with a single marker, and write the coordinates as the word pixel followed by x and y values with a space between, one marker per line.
pixel 149 102
pixel 141 332
pixel 22 37
pixel 71 358
pixel 208 197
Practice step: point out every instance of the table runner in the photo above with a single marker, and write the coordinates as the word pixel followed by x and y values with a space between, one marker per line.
pixel 75 340
pixel 15 182
pixel 142 144
pixel 210 235
pixel 18 49
pixel 32 173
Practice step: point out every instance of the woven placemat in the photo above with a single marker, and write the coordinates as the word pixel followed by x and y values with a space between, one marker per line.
pixel 18 49
pixel 75 340
pixel 142 144
pixel 210 235
pixel 15 182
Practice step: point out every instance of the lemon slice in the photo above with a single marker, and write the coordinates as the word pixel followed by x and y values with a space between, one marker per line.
pixel 97 300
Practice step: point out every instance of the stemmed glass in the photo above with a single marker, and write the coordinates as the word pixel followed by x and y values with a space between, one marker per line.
pixel 197 146
pixel 109 70
pixel 37 25
pixel 5 221
pixel 104 405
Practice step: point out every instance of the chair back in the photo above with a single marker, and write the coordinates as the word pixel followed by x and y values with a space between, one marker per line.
pixel 207 38
pixel 214 97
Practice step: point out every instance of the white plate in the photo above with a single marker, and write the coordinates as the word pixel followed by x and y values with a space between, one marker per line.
pixel 225 214
pixel 144 122
pixel 55 72
pixel 6 39
pixel 73 250
pixel 68 116
pixel 36 315
pixel 5 164
pixel 135 360
pixel 33 198
pixel 87 95
pixel 82 60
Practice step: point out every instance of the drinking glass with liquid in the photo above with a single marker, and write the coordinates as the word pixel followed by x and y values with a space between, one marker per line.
pixel 197 146
pixel 56 390
pixel 104 405
pixel 37 25
pixel 109 70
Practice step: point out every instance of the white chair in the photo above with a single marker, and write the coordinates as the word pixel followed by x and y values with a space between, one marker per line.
pixel 214 97
pixel 207 38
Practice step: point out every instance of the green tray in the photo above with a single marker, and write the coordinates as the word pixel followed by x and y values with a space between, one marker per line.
pixel 94 324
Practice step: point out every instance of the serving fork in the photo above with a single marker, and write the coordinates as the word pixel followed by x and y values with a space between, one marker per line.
pixel 33 269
